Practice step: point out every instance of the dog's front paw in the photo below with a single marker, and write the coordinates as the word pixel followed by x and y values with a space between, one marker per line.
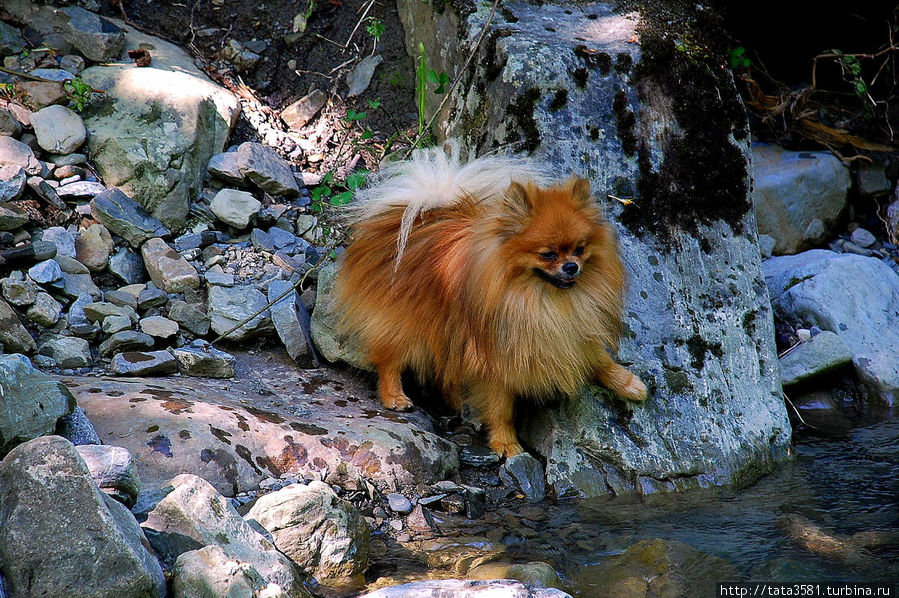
pixel 634 390
pixel 396 402
pixel 506 448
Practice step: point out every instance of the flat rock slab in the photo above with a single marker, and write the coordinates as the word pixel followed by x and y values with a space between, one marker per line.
pixel 271 419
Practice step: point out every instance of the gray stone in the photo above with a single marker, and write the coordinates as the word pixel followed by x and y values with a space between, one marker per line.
pixel 60 536
pixel 332 345
pixel 219 278
pixel 282 239
pixel 167 269
pixel 535 573
pixel 127 266
pixel 76 315
pixel 299 113
pixel 12 216
pixel 262 241
pixel 243 59
pixel 144 363
pixel 76 278
pixel 158 327
pixel 324 535
pixel 798 196
pixel 359 78
pixel 32 402
pixel 151 297
pixel 853 296
pixel 190 317
pixel 9 124
pixel 205 361
pixel 697 316
pixel 862 237
pixel 93 247
pixel 98 311
pixel 124 341
pixel 265 168
pixel 20 293
pixel 16 153
pixel 68 352
pixel 12 41
pixel 523 473
pixel 234 207
pixel 77 428
pixel 94 37
pixel 13 335
pixel 115 324
pixel 126 218
pixel 210 571
pixel 12 182
pixel 62 238
pixel 872 179
pixel 292 329
pixel 113 471
pixel 80 190
pixel 58 129
pixel 399 503
pixel 230 306
pixel 194 515
pixel 224 167
pixel 822 353
pixel 58 75
pixel 45 310
pixel 152 144
pixel 466 588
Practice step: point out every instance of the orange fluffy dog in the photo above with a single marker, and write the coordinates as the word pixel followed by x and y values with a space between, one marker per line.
pixel 486 279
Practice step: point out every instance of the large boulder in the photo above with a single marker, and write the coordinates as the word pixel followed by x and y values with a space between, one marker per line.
pixel 603 94
pixel 32 402
pixel 148 141
pixel 855 297
pixel 60 536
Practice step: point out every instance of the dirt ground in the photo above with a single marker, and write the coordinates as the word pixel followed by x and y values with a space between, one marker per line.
pixel 338 35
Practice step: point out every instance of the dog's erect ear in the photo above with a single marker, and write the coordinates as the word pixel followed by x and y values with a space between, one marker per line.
pixel 517 200
pixel 580 190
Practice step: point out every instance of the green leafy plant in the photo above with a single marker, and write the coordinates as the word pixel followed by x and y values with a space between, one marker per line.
pixel 78 92
pixel 423 76
pixel 375 28
pixel 738 58
pixel 852 73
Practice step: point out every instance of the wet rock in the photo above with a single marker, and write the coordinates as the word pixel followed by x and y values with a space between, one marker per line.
pixel 13 335
pixel 144 363
pixel 126 218
pixel 33 402
pixel 93 247
pixel 12 182
pixel 112 469
pixel 167 269
pixel 822 413
pixel 127 266
pixel 204 361
pixel 298 114
pixel 819 541
pixel 234 207
pixel 224 167
pixel 536 574
pixel 60 536
pixel 77 428
pixel 68 352
pixel 199 425
pixel 58 129
pixel 853 296
pixel 324 535
pixel 399 503
pixel 16 153
pixel 820 354
pixel 190 317
pixel 210 571
pixel 266 169
pixel 524 473
pixel 230 306
pixel 150 143
pixel 193 515
pixel 45 311
pixel 93 36
pixel 478 456
pixel 124 341
pixel 80 190
pixel 500 588
pixel 798 196
pixel 291 328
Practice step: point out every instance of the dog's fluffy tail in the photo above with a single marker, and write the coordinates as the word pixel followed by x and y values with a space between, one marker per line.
pixel 436 178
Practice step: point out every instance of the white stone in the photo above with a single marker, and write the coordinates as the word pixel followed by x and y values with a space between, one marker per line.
pixel 58 129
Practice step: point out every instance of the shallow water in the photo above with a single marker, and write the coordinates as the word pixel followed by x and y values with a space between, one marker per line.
pixel 832 514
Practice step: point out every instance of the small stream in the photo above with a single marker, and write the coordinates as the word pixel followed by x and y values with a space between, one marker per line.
pixel 832 514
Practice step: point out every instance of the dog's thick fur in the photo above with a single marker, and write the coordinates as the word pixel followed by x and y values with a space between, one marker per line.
pixel 486 279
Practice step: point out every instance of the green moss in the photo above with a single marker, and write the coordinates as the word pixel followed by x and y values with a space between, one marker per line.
pixel 522 110
pixel 580 76
pixel 625 120
pixel 699 348
pixel 560 98
pixel 594 59
pixel 677 381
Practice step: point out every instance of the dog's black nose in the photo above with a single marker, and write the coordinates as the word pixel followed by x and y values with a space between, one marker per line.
pixel 570 268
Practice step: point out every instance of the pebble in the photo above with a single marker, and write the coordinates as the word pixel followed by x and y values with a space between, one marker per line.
pixel 399 503
pixel 478 456
pixel 863 238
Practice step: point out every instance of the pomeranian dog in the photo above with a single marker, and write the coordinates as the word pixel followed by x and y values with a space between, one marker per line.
pixel 486 279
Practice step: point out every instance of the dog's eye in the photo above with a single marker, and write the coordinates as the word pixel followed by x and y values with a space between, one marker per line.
pixel 549 256
pixel 579 250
